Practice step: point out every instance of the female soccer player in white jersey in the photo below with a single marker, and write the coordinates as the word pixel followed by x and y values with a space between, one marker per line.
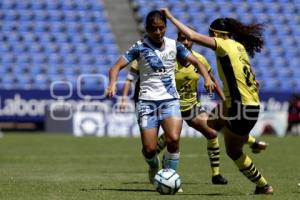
pixel 232 41
pixel 158 103
pixel 192 111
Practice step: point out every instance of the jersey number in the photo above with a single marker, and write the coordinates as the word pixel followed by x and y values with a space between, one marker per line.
pixel 249 76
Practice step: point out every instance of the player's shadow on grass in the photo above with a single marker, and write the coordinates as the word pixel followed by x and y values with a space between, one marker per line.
pixel 152 191
pixel 116 190
pixel 135 183
pixel 139 182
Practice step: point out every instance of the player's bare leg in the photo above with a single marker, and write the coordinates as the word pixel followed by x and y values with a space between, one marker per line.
pixel 149 137
pixel 172 127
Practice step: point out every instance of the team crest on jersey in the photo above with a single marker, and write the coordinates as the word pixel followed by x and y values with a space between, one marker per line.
pixel 150 54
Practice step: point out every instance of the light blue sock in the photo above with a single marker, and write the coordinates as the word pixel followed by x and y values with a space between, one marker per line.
pixel 153 162
pixel 171 160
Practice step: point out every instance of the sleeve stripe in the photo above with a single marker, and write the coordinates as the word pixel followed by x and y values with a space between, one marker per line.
pixel 125 58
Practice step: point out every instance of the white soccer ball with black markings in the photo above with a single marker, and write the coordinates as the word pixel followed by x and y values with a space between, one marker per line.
pixel 167 181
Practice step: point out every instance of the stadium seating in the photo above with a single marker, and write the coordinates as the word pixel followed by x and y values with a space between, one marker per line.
pixel 53 40
pixel 58 40
pixel 278 67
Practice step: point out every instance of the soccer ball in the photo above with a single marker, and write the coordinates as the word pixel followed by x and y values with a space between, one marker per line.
pixel 167 181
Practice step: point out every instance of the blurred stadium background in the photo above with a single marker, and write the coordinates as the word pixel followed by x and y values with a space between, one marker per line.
pixel 55 56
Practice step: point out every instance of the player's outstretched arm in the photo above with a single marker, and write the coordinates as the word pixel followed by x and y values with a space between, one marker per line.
pixel 193 35
pixel 208 83
pixel 218 88
pixel 125 93
pixel 113 76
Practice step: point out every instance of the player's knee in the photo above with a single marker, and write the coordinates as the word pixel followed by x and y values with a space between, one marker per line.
pixel 209 133
pixel 202 127
pixel 233 153
pixel 173 143
pixel 173 139
pixel 149 152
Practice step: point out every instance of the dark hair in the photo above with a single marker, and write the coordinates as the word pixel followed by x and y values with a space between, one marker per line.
pixel 249 35
pixel 152 15
pixel 179 32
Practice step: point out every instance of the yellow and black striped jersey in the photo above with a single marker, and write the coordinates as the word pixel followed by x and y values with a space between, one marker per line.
pixel 235 72
pixel 186 82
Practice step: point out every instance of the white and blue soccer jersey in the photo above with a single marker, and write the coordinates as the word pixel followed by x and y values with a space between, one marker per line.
pixel 157 67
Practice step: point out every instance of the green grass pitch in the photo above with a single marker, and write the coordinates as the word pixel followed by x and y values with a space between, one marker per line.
pixel 59 167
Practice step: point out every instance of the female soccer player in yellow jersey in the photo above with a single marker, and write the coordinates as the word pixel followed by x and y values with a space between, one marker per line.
pixel 232 41
pixel 193 113
pixel 187 76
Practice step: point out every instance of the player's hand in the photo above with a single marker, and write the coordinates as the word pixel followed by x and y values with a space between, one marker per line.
pixel 111 90
pixel 166 12
pixel 209 86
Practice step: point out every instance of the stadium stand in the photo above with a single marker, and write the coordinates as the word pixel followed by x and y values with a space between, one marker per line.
pixel 277 68
pixel 58 40
pixel 53 40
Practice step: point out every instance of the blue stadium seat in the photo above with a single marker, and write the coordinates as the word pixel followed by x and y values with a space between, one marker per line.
pixel 70 16
pixel 57 27
pixel 40 15
pixel 82 49
pixel 71 78
pixel 87 69
pixel 285 73
pixel 5 47
pixel 295 84
pixel 8 58
pixel 51 48
pixel 286 84
pixel 66 48
pixel 38 5
pixel 268 84
pixel 7 82
pixel 71 59
pixel 8 4
pixel 33 48
pixel 69 5
pixel 87 60
pixel 55 59
pixel 23 5
pixel 24 82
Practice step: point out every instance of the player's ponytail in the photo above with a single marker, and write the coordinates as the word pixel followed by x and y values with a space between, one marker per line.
pixel 249 35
